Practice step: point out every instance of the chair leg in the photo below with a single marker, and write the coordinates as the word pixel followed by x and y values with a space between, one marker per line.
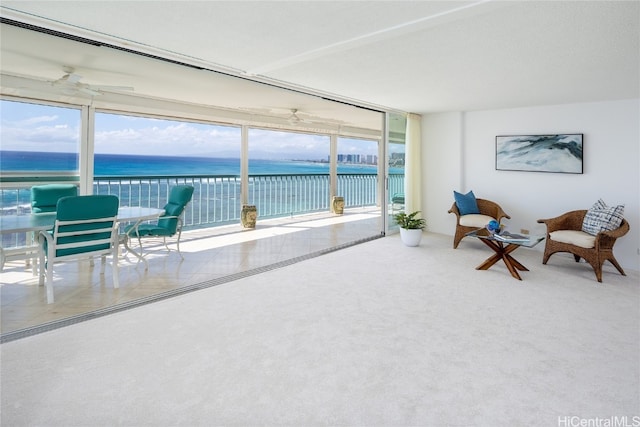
pixel 456 239
pixel 178 243
pixel 140 245
pixel 613 261
pixel 115 269
pixel 598 270
pixel 49 282
pixel 41 267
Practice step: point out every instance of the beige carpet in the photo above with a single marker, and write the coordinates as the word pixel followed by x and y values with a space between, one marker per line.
pixel 373 335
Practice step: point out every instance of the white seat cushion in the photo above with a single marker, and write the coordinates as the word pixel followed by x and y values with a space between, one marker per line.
pixel 574 237
pixel 475 220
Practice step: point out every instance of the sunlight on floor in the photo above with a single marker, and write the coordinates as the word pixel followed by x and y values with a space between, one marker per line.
pixel 209 254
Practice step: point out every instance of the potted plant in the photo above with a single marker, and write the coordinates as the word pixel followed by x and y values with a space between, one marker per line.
pixel 410 227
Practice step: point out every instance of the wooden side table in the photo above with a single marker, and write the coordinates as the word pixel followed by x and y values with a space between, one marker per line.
pixel 503 249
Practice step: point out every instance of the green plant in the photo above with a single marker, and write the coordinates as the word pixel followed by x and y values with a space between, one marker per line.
pixel 409 221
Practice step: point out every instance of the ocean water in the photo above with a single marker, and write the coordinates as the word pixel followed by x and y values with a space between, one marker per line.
pixel 136 165
pixel 110 165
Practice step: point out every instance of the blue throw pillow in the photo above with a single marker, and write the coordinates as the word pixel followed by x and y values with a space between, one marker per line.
pixel 466 203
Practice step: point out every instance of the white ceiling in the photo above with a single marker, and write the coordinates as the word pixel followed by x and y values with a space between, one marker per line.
pixel 413 56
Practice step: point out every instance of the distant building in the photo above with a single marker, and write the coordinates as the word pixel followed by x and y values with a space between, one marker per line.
pixel 364 159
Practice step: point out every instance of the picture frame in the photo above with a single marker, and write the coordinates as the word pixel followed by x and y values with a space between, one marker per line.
pixel 557 153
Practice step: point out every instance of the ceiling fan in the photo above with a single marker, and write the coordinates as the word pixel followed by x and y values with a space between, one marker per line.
pixel 293 118
pixel 71 85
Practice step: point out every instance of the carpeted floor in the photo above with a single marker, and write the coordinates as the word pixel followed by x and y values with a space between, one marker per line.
pixel 376 334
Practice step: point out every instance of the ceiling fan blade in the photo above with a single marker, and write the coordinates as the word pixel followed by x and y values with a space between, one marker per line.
pixel 89 91
pixel 72 78
pixel 69 79
pixel 112 88
pixel 293 118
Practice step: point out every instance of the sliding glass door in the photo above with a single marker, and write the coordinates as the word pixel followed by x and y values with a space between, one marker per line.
pixel 396 139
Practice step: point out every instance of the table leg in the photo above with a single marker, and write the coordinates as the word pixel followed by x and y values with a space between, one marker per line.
pixel 502 253
pixel 140 255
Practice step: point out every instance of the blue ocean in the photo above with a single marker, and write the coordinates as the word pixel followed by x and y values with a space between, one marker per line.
pixel 137 165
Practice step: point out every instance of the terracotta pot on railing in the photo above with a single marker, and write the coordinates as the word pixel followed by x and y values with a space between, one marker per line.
pixel 248 216
pixel 337 205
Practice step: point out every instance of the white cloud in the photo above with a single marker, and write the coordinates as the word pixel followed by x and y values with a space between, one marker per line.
pixel 183 139
pixel 121 134
pixel 54 137
pixel 35 120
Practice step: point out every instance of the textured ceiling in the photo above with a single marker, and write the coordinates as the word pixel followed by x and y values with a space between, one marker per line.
pixel 415 56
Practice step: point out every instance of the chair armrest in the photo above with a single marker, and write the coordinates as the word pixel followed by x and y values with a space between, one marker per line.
pixel 501 214
pixel 170 216
pixel 492 209
pixel 568 221
pixel 178 217
pixel 454 210
pixel 45 236
pixel 612 235
pixel 618 232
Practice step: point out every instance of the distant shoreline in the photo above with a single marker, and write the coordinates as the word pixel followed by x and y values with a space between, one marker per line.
pixel 141 165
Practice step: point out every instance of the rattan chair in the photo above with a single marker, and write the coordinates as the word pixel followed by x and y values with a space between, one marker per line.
pixel 466 223
pixel 594 249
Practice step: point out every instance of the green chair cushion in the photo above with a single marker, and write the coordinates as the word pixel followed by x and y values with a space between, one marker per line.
pixel 398 198
pixel 148 230
pixel 179 196
pixel 44 198
pixel 85 208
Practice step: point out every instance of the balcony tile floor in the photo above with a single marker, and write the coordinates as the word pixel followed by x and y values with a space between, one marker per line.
pixel 211 256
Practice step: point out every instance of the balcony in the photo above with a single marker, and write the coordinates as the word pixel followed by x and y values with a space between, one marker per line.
pixel 294 224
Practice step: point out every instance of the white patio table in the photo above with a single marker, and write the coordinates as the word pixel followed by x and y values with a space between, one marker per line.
pixel 35 223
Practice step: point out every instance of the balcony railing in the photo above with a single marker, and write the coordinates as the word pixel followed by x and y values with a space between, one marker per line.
pixel 216 198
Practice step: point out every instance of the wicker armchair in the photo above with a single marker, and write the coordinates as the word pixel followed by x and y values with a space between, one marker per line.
pixel 600 247
pixel 466 223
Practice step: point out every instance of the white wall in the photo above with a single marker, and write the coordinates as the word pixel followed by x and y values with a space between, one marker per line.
pixel 459 154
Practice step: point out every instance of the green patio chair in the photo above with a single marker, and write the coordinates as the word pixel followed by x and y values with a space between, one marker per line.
pixel 85 227
pixel 170 223
pixel 397 202
pixel 45 197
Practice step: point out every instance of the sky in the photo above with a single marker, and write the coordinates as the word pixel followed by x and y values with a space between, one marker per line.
pixel 33 127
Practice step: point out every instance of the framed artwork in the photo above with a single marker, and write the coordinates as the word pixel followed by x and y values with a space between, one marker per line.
pixel 540 153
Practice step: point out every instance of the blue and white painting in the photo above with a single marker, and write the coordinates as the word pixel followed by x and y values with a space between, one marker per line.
pixel 540 153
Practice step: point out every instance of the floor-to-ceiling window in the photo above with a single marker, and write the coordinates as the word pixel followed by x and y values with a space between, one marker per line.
pixel 38 142
pixel 140 158
pixel 288 172
pixel 396 136
pixel 358 172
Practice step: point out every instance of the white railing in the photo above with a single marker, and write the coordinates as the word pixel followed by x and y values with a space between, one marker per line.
pixel 216 199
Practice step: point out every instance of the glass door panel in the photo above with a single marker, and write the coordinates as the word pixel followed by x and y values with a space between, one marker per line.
pixel 40 145
pixel 396 137
pixel 288 172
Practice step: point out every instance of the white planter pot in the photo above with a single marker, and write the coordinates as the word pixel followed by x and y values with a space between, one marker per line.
pixel 410 237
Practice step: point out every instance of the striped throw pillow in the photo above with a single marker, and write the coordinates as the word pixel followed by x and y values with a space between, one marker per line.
pixel 602 218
